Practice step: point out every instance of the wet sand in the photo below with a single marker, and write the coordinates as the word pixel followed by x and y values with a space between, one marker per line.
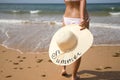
pixel 99 63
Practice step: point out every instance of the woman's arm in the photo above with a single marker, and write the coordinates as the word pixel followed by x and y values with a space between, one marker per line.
pixel 84 17
pixel 82 9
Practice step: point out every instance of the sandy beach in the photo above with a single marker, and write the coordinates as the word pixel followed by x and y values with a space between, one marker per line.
pixel 99 63
pixel 30 27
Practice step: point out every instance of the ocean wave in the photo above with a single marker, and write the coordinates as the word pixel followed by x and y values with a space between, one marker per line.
pixel 21 11
pixel 112 8
pixel 16 11
pixel 13 21
pixel 104 25
pixel 39 11
pixel 59 23
pixel 53 22
pixel 35 11
pixel 114 13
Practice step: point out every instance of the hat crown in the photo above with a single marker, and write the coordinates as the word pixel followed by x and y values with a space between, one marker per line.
pixel 66 40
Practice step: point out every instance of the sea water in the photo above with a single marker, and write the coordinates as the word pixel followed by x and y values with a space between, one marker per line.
pixel 30 27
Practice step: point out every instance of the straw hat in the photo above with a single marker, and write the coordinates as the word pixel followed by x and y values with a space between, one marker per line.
pixel 69 43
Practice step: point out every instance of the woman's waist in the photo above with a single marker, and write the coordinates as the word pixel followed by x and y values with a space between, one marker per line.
pixel 72 14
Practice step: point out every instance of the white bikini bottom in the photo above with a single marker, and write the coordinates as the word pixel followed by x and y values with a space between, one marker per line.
pixel 68 20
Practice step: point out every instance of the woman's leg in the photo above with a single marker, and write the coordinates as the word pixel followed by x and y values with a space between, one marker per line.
pixel 76 65
pixel 63 67
pixel 64 73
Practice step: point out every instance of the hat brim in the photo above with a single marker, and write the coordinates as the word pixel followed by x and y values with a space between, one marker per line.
pixel 85 40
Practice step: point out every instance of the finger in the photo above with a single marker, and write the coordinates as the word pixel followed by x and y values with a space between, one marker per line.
pixel 82 28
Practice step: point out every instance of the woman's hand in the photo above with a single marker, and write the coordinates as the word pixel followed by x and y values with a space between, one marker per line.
pixel 84 24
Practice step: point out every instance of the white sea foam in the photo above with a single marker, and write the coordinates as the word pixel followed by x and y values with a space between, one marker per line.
pixel 59 23
pixel 6 33
pixel 35 11
pixel 15 11
pixel 53 22
pixel 103 25
pixel 12 21
pixel 114 13
pixel 112 8
pixel 18 50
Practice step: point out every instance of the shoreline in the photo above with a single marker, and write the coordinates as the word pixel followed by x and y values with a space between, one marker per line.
pixel 46 49
pixel 98 63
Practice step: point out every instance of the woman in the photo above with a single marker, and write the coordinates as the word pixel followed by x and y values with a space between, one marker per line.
pixel 75 13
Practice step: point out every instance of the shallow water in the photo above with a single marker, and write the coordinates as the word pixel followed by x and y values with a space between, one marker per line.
pixel 30 37
pixel 29 28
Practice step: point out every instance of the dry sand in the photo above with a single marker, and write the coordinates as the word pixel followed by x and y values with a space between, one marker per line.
pixel 99 63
